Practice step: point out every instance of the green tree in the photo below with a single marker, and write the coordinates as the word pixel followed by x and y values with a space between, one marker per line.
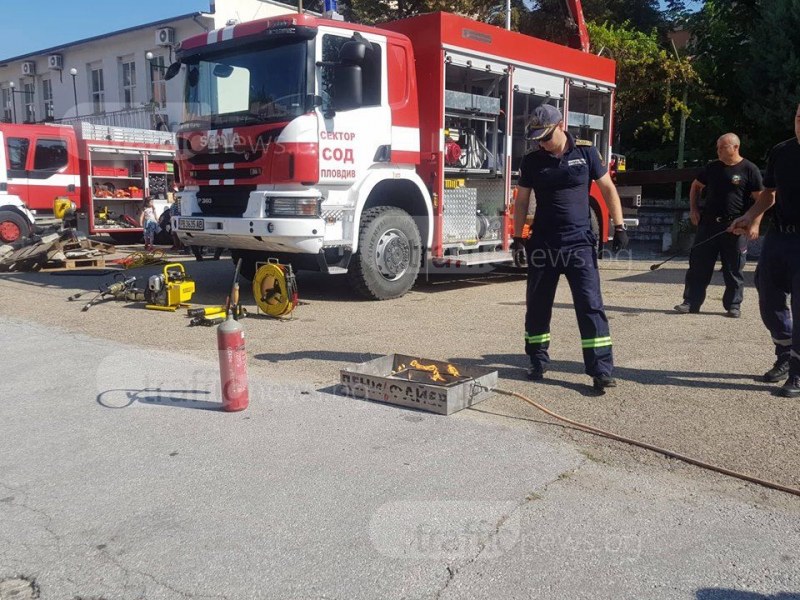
pixel 549 19
pixel 771 84
pixel 721 52
pixel 650 80
pixel 377 11
pixel 747 52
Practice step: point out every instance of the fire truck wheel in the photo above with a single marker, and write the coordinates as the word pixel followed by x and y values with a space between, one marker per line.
pixel 248 268
pixel 595 225
pixel 13 227
pixel 389 251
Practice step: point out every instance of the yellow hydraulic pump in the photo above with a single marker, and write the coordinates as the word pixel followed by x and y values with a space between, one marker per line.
pixel 170 289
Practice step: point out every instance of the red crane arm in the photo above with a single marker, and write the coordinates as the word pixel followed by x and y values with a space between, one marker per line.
pixel 576 12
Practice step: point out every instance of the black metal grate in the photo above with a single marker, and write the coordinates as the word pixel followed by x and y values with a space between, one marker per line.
pixel 223 174
pixel 224 201
pixel 208 158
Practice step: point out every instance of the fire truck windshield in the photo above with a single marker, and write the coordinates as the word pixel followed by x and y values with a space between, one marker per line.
pixel 244 86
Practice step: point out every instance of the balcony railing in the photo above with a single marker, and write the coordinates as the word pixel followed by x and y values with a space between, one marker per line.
pixel 143 117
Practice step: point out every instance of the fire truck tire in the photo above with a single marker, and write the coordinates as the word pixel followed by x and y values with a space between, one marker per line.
pixel 594 221
pixel 248 268
pixel 389 253
pixel 13 226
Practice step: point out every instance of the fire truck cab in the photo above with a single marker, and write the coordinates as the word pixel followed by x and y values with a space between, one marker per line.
pixel 372 151
pixel 16 220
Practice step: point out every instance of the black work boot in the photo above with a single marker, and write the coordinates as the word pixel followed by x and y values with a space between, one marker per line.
pixel 791 389
pixel 778 371
pixel 601 382
pixel 536 372
pixel 686 308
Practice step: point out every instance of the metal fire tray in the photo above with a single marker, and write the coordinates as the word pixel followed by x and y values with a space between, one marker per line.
pixel 391 379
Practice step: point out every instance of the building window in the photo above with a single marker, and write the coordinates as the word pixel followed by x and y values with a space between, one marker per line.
pixel 47 98
pixel 8 115
pixel 128 82
pixel 158 85
pixel 98 92
pixel 29 98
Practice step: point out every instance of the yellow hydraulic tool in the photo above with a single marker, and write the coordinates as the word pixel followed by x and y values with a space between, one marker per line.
pixel 169 290
pixel 275 289
pixel 62 207
pixel 208 311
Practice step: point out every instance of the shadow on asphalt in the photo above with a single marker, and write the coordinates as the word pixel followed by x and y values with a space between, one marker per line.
pixel 213 280
pixel 512 367
pixel 690 379
pixel 328 355
pixel 669 276
pixel 625 310
pixel 123 398
pixel 727 594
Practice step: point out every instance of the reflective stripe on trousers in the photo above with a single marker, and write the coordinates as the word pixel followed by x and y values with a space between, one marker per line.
pixel 778 279
pixel 579 265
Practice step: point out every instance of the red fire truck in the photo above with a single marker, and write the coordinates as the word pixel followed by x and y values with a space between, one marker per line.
pixel 95 174
pixel 371 151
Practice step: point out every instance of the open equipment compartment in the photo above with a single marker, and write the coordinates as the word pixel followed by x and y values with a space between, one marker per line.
pixel 475 108
pixel 122 167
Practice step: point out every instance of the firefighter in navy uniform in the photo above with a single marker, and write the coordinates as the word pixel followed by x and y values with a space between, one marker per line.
pixel 559 173
pixel 778 271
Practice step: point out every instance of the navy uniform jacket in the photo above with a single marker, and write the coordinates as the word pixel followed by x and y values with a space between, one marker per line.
pixel 782 173
pixel 561 185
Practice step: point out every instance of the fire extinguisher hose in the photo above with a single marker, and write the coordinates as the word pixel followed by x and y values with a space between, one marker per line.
pixel 645 445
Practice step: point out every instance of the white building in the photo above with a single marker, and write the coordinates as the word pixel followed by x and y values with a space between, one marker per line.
pixel 116 78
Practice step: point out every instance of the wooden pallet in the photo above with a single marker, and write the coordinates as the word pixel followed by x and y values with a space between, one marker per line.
pixel 76 263
pixel 49 253
pixel 86 244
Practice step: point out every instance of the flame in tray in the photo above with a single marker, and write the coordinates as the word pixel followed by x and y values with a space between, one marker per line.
pixel 432 370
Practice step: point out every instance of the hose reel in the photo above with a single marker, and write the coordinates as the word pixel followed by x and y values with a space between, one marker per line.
pixel 275 288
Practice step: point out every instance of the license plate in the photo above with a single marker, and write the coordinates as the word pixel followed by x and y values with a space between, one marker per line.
pixel 191 224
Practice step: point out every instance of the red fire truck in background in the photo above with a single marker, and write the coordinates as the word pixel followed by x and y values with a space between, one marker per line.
pixel 372 151
pixel 94 175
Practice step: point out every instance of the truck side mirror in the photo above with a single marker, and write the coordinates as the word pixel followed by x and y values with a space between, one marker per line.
pixel 172 71
pixel 348 92
pixel 193 76
pixel 352 52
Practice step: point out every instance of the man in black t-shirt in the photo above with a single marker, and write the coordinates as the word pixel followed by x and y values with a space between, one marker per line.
pixel 732 184
pixel 778 271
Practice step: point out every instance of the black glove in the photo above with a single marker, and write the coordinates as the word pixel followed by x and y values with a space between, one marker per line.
pixel 620 241
pixel 518 252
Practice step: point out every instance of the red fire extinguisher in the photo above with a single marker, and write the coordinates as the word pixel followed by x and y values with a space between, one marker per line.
pixel 232 365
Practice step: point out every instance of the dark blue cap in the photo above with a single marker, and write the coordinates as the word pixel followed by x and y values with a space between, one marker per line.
pixel 544 120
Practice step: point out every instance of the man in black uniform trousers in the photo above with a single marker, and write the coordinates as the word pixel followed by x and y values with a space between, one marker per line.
pixel 778 271
pixel 560 173
pixel 730 182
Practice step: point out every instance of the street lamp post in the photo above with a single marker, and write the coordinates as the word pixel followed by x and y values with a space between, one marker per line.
pixel 74 72
pixel 13 102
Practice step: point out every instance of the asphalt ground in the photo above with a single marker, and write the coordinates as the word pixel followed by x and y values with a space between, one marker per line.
pixel 101 406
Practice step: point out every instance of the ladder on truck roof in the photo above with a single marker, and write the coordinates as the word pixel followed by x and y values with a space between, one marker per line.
pixel 109 133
